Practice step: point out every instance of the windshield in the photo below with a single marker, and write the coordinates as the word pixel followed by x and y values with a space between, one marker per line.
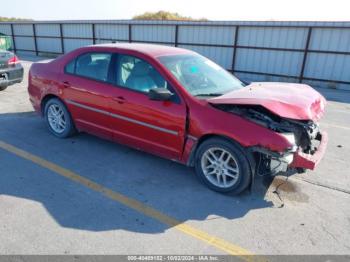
pixel 200 76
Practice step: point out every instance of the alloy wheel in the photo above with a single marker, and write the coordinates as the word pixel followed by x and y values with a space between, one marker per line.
pixel 220 167
pixel 56 118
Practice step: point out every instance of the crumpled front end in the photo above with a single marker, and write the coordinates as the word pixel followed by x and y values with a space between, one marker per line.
pixel 307 142
pixel 309 146
pixel 291 111
pixel 287 100
pixel 310 161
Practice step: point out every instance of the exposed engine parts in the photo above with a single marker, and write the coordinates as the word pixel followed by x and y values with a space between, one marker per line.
pixel 304 134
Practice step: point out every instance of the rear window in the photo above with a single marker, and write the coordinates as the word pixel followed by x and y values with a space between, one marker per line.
pixel 90 65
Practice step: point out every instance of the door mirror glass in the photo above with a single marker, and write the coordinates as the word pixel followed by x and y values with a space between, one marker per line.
pixel 160 94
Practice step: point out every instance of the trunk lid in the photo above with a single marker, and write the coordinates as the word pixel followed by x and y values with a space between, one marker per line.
pixel 288 100
pixel 4 57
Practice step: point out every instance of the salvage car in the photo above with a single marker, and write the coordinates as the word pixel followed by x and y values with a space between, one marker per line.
pixel 177 104
pixel 11 70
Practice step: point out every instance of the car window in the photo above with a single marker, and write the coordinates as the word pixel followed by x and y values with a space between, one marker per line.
pixel 137 74
pixel 70 67
pixel 92 65
pixel 200 76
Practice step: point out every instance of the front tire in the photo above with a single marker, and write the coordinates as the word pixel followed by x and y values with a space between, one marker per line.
pixel 58 119
pixel 223 166
pixel 2 88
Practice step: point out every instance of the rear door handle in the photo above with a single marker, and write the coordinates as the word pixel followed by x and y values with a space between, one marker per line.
pixel 66 84
pixel 119 99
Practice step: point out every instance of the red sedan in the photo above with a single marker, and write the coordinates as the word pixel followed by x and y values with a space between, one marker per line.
pixel 177 104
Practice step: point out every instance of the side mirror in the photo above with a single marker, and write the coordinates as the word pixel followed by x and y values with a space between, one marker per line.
pixel 159 94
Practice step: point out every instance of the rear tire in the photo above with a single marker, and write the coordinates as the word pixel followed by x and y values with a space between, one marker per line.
pixel 223 166
pixel 58 119
pixel 2 88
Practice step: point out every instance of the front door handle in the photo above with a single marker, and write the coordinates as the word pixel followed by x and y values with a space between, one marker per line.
pixel 66 84
pixel 119 99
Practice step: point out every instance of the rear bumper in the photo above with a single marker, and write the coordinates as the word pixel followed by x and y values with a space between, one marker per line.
pixel 10 76
pixel 307 161
pixel 36 104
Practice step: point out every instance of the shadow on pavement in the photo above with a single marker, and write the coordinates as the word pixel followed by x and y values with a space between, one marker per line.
pixel 164 185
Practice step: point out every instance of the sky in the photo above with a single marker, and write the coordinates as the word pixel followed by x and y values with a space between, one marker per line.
pixel 278 10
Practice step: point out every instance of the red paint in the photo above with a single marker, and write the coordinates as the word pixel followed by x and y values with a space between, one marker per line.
pixel 191 117
pixel 13 60
pixel 311 161
pixel 294 101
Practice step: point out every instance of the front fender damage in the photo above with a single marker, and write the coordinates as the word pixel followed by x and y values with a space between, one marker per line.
pixel 270 162
pixel 308 142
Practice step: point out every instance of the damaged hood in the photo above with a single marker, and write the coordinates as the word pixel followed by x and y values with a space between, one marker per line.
pixel 294 101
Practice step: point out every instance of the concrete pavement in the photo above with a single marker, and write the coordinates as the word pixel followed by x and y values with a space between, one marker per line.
pixel 43 212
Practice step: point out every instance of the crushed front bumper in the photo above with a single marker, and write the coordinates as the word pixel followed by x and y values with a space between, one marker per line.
pixel 308 161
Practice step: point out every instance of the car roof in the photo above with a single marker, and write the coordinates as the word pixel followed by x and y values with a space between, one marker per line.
pixel 147 49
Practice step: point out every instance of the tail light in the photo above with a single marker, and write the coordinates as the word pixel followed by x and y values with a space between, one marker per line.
pixel 13 60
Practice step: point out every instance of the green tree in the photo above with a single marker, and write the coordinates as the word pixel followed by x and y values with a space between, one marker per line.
pixel 164 15
pixel 13 19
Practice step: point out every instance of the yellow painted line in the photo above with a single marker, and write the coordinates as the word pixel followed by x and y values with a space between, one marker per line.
pixel 336 126
pixel 136 205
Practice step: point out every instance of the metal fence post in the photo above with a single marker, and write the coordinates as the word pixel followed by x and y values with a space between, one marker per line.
pixel 301 76
pixel 93 34
pixel 130 33
pixel 62 40
pixel 176 34
pixel 35 42
pixel 13 38
pixel 19 43
pixel 235 50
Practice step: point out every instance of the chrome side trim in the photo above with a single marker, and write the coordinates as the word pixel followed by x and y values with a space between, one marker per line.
pixel 192 137
pixel 68 101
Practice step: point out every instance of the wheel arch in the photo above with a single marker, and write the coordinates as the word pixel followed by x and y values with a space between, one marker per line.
pixel 203 138
pixel 45 99
pixel 248 154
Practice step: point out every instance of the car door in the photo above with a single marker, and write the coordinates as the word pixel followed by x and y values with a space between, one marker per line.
pixel 154 126
pixel 86 92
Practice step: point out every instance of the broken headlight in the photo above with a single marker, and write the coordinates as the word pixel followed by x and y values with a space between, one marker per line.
pixel 291 139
